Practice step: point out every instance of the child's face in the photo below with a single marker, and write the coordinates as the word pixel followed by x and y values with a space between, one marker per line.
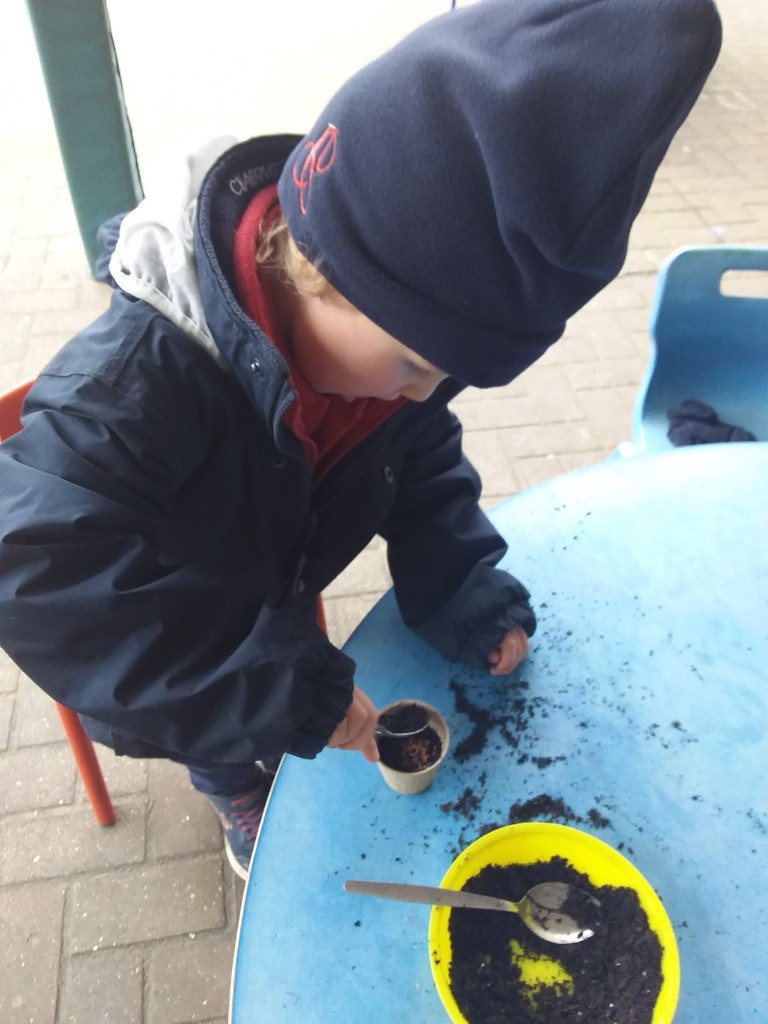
pixel 342 352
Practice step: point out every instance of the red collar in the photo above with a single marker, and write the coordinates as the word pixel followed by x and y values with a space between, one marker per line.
pixel 327 426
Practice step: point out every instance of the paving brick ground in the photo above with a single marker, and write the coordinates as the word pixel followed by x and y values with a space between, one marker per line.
pixel 136 924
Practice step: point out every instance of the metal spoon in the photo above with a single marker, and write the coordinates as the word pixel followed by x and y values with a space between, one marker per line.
pixel 540 908
pixel 396 734
pixel 382 730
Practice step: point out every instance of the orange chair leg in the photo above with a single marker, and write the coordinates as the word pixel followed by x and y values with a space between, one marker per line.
pixel 88 766
pixel 320 616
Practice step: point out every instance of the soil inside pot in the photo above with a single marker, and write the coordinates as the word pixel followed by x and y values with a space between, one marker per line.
pixel 503 974
pixel 411 753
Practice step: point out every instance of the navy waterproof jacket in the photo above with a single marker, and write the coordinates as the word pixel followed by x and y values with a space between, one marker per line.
pixel 163 544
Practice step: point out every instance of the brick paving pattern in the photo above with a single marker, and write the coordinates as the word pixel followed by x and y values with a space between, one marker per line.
pixel 135 924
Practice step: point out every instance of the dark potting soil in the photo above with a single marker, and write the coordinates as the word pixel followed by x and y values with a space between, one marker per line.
pixel 612 978
pixel 551 808
pixel 481 721
pixel 466 806
pixel 512 718
pixel 412 753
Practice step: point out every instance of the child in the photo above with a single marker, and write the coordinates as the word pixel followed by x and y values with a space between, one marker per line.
pixel 269 388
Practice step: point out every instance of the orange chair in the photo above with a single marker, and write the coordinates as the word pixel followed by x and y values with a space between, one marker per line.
pixel 82 748
pixel 320 616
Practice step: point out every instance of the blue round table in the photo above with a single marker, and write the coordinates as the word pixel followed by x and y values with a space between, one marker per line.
pixel 640 715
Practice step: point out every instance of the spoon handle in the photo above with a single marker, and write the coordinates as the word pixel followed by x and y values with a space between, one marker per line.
pixel 433 895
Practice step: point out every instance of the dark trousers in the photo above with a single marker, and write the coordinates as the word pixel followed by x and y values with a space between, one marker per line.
pixel 225 780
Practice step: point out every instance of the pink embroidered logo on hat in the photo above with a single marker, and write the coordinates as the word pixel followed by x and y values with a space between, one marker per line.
pixel 317 158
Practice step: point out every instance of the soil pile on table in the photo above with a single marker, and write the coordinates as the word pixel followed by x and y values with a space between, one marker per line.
pixel 501 973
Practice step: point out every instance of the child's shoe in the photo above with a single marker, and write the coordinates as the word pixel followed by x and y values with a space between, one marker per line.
pixel 240 817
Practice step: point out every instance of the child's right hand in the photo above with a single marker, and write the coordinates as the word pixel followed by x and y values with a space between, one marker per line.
pixel 505 658
pixel 355 731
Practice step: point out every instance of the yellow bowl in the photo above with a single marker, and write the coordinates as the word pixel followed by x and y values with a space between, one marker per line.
pixel 539 841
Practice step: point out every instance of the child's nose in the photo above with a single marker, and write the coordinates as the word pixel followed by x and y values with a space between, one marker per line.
pixel 421 390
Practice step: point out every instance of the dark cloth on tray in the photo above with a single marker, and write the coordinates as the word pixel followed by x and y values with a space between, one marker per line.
pixel 693 422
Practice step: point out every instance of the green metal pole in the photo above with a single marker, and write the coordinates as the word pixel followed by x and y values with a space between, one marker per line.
pixel 79 64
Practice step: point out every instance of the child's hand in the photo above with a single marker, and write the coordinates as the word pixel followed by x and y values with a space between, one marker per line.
pixel 507 656
pixel 355 731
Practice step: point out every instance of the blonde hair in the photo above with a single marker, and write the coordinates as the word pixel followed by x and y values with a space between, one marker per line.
pixel 277 251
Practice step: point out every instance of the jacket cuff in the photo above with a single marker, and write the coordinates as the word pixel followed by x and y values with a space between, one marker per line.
pixel 333 695
pixel 488 604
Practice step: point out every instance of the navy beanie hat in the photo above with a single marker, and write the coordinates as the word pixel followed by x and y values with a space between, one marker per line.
pixel 475 186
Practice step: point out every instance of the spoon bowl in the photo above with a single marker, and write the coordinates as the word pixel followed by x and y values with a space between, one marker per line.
pixel 405 721
pixel 555 911
pixel 382 730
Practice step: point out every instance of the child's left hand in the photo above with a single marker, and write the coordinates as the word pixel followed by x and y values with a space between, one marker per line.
pixel 510 652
